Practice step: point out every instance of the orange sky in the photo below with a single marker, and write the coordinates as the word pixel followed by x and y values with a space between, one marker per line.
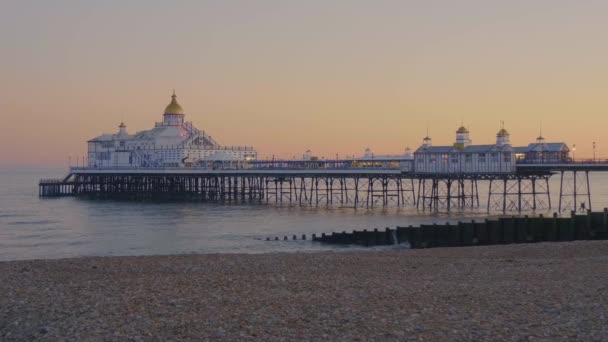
pixel 332 76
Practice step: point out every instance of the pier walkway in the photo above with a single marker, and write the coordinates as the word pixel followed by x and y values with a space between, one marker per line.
pixel 348 182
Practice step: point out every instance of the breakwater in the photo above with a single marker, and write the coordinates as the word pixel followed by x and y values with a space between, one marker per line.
pixel 504 230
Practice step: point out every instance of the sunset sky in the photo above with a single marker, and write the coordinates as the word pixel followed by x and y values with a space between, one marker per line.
pixel 286 76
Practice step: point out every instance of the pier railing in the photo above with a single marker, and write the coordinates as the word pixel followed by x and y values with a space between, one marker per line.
pixel 51 181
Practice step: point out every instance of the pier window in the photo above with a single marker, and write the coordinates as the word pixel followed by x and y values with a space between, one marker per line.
pixel 107 144
pixel 103 156
pixel 482 157
pixel 468 158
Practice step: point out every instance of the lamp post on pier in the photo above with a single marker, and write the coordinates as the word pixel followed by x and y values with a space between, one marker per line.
pixel 594 151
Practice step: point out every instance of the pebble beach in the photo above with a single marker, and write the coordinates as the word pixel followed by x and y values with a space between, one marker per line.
pixel 527 292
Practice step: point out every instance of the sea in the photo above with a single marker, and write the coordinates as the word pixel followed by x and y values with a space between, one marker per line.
pixel 49 228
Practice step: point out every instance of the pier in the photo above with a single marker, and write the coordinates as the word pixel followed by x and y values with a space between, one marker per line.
pixel 352 182
pixel 175 160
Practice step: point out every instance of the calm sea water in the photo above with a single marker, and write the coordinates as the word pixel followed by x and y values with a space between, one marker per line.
pixel 34 228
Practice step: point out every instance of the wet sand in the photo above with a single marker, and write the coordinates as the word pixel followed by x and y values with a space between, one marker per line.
pixel 547 291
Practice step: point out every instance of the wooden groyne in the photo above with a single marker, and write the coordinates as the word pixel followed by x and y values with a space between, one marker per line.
pixel 505 230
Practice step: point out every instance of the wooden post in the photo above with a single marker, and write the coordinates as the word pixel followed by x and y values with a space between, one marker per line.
pixel 366 238
pixel 442 235
pixel 495 232
pixel 456 235
pixel 550 228
pixel 468 233
pixel 508 224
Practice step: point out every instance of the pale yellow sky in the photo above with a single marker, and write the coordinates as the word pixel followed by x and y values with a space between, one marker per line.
pixel 286 76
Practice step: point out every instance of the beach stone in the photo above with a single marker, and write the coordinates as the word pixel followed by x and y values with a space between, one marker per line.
pixel 544 291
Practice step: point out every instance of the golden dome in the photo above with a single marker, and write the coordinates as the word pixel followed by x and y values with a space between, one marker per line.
pixel 462 129
pixel 503 132
pixel 174 107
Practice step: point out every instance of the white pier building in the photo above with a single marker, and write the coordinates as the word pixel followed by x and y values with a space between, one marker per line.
pixel 464 157
pixel 171 143
pixel 500 158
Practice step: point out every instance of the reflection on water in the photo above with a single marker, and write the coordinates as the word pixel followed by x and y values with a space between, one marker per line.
pixel 63 227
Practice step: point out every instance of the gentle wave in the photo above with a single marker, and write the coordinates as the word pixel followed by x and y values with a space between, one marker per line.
pixel 12 215
pixel 33 222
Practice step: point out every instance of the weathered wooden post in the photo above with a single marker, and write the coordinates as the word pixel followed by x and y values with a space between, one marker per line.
pixel 521 225
pixel 540 228
pixel 551 227
pixel 508 224
pixel 481 232
pixel 456 234
pixel 529 228
pixel 390 238
pixel 442 235
pixel 416 238
pixel 566 228
pixel 366 238
pixel 357 238
pixel 345 238
pixel 401 234
pixel 379 237
pixel 603 233
pixel 495 232
pixel 582 226
pixel 468 233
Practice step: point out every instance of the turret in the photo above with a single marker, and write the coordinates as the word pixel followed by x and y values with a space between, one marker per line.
pixel 174 113
pixel 462 138
pixel 407 153
pixel 426 142
pixel 502 138
pixel 122 129
pixel 368 154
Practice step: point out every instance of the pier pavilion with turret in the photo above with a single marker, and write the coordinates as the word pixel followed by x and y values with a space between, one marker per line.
pixel 176 160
